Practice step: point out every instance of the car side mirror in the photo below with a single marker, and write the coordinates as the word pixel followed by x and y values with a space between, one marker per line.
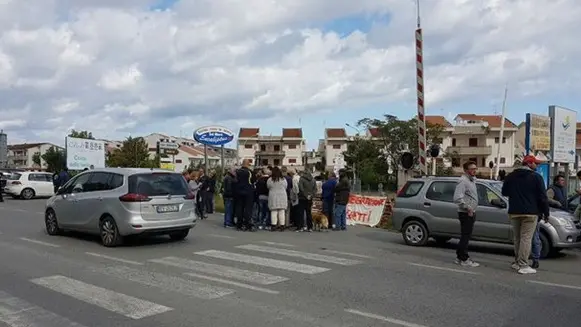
pixel 498 203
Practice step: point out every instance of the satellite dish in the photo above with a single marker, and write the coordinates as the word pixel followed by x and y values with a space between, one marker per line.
pixel 407 160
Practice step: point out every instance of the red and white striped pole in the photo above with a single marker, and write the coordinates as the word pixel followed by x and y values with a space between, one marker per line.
pixel 420 90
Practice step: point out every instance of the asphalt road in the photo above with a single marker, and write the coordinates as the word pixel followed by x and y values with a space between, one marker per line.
pixel 219 277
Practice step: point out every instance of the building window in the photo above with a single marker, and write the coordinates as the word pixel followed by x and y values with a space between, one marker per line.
pixel 262 147
pixel 264 162
pixel 248 146
pixel 277 162
pixel 453 142
pixel 292 146
pixel 497 140
pixel 473 142
pixel 502 160
pixel 292 161
pixel 277 148
pixel 336 146
pixel 178 160
pixel 483 162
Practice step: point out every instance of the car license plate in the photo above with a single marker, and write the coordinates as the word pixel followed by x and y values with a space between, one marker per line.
pixel 169 208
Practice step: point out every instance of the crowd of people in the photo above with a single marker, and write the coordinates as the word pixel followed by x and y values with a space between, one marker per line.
pixel 274 198
pixel 204 188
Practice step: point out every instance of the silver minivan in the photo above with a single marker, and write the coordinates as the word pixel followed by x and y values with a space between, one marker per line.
pixel 424 208
pixel 119 202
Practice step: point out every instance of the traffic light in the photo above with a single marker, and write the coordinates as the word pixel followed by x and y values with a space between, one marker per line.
pixel 407 160
pixel 434 150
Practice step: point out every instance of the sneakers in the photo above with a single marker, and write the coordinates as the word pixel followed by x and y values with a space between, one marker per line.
pixel 467 263
pixel 515 266
pixel 527 270
pixel 535 264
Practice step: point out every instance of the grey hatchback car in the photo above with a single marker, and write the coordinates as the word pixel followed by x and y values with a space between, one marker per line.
pixel 119 202
pixel 424 208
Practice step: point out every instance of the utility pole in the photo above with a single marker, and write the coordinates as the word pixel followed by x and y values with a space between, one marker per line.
pixel 420 94
pixel 497 169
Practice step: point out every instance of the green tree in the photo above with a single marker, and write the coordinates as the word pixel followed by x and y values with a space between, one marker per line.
pixel 133 153
pixel 367 159
pixel 81 134
pixel 36 159
pixel 55 159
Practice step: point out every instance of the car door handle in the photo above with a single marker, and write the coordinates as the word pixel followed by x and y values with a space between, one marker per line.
pixel 427 204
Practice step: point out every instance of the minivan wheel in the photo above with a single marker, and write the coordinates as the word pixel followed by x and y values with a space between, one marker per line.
pixel 51 223
pixel 179 235
pixel 415 233
pixel 27 194
pixel 109 232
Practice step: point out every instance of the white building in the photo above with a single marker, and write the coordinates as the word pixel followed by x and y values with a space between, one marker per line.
pixel 334 144
pixel 22 155
pixel 284 150
pixel 477 138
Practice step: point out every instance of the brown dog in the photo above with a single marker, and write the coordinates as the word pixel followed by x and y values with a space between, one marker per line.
pixel 320 221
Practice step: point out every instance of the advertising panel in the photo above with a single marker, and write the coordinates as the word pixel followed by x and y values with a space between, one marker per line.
pixel 563 133
pixel 84 153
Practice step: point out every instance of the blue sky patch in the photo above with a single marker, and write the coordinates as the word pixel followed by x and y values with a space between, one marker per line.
pixel 347 25
pixel 163 4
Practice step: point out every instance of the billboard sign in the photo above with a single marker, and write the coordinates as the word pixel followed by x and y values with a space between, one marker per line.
pixel 84 153
pixel 563 134
pixel 213 135
pixel 538 134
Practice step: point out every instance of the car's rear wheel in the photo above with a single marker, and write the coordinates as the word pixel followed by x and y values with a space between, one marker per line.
pixel 27 194
pixel 415 233
pixel 109 232
pixel 51 223
pixel 179 235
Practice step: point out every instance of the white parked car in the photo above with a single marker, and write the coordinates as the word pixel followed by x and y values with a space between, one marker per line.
pixel 29 184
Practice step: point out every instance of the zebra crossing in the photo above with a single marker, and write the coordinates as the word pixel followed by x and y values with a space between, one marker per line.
pixel 249 267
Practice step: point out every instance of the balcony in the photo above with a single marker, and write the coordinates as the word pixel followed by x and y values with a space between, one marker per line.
pixel 470 150
pixel 470 130
pixel 271 153
pixel 18 157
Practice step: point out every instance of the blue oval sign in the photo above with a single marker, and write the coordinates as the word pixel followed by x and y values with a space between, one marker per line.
pixel 213 135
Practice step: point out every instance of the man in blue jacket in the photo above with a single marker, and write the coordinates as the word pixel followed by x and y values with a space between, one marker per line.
pixel 328 196
pixel 244 197
pixel 527 201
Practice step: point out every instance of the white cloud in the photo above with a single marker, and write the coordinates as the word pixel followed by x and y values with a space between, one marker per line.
pixel 117 67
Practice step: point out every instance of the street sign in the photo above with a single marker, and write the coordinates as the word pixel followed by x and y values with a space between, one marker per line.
pixel 213 135
pixel 171 152
pixel 168 145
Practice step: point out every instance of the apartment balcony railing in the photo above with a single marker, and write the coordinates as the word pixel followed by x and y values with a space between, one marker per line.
pixel 270 153
pixel 18 157
pixel 470 130
pixel 470 150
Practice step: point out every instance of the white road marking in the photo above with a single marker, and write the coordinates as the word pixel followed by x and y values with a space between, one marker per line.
pixel 131 262
pixel 571 287
pixel 350 254
pixel 220 236
pixel 444 268
pixel 298 254
pixel 39 242
pixel 167 282
pixel 126 305
pixel 265 262
pixel 222 271
pixel 233 283
pixel 16 312
pixel 383 318
pixel 278 244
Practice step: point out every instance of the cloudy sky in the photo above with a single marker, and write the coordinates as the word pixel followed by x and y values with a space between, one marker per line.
pixel 132 67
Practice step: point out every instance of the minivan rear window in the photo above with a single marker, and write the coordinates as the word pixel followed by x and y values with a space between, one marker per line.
pixel 155 184
pixel 13 176
pixel 410 189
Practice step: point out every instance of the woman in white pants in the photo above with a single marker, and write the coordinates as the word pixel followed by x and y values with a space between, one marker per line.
pixel 277 199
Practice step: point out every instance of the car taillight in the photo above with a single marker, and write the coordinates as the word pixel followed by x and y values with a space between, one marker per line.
pixel 190 196
pixel 16 183
pixel 133 197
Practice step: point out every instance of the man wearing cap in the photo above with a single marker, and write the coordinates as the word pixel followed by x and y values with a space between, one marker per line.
pixel 527 201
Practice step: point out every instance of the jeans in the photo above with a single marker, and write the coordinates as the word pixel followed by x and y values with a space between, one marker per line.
pixel 537 245
pixel 466 228
pixel 228 212
pixel 209 202
pixel 328 209
pixel 305 213
pixel 340 216
pixel 263 213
